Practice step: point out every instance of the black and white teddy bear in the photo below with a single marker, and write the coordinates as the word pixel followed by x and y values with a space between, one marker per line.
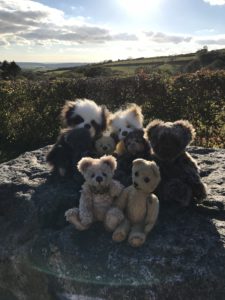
pixel 180 174
pixel 85 113
pixel 84 121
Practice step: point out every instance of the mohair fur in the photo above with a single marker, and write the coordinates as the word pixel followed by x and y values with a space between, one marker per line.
pixel 85 113
pixel 124 121
pixel 105 145
pixel 180 174
pixel 72 144
pixel 136 146
pixel 140 206
pixel 98 195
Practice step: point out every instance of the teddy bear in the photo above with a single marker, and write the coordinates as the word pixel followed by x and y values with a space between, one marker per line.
pixel 98 195
pixel 181 181
pixel 136 146
pixel 72 144
pixel 105 145
pixel 124 121
pixel 140 205
pixel 85 113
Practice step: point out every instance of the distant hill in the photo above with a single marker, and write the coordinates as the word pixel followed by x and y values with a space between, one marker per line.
pixel 47 66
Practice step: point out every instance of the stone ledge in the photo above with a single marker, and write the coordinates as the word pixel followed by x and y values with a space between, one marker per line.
pixel 43 257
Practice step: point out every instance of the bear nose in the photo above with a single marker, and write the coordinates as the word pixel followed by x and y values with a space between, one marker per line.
pixel 99 179
pixel 124 133
pixel 87 126
pixel 135 184
pixel 104 148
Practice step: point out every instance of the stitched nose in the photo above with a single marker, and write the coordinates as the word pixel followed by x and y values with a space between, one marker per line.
pixel 124 133
pixel 135 184
pixel 87 126
pixel 99 179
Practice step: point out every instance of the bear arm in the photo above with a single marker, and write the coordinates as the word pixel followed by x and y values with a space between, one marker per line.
pixel 116 188
pixel 190 161
pixel 121 201
pixel 85 208
pixel 152 212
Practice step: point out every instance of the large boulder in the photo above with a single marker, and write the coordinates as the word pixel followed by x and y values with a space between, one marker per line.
pixel 43 257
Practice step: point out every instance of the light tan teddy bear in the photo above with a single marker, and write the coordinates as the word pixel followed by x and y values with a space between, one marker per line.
pixel 140 205
pixel 98 194
pixel 105 145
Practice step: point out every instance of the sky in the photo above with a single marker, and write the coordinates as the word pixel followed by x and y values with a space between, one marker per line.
pixel 99 30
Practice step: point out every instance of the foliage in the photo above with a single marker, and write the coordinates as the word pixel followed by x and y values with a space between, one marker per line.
pixel 9 70
pixel 29 110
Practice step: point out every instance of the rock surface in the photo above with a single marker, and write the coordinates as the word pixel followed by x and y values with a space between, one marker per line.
pixel 43 257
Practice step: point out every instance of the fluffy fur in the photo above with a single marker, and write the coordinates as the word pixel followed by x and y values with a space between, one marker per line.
pixel 124 121
pixel 72 144
pixel 98 194
pixel 105 145
pixel 135 146
pixel 181 181
pixel 140 205
pixel 84 113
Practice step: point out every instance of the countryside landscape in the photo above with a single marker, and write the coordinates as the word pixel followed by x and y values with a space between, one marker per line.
pixel 188 86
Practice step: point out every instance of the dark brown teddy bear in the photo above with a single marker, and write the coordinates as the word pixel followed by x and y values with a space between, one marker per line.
pixel 180 178
pixel 135 146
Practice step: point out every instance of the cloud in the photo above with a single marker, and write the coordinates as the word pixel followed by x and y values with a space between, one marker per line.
pixel 160 37
pixel 220 42
pixel 39 23
pixel 215 2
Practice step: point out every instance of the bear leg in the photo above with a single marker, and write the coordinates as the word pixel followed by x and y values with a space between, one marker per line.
pixel 72 216
pixel 137 236
pixel 121 231
pixel 113 218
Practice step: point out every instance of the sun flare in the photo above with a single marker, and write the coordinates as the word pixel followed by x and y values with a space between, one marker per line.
pixel 139 7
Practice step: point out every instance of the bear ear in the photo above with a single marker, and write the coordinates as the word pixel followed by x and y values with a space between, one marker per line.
pixel 84 164
pixel 114 136
pixel 152 128
pixel 110 161
pixel 138 161
pixel 135 111
pixel 155 169
pixel 67 112
pixel 186 131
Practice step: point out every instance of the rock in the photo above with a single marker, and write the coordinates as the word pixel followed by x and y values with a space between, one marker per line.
pixel 43 257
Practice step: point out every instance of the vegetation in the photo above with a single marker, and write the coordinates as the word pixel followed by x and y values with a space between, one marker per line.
pixel 29 110
pixel 9 70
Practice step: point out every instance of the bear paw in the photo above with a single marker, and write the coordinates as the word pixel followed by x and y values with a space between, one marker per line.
pixel 72 216
pixel 119 236
pixel 137 239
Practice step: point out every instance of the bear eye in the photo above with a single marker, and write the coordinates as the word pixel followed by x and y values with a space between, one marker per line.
pixel 128 126
pixel 146 179
pixel 120 130
pixel 104 174
pixel 92 175
pixel 136 174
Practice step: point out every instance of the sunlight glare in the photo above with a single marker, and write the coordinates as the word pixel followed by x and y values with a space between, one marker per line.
pixel 139 7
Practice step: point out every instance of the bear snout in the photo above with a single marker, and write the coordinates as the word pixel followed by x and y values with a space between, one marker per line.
pixel 99 179
pixel 104 147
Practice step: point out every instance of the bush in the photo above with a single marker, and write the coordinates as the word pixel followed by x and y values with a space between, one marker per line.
pixel 29 110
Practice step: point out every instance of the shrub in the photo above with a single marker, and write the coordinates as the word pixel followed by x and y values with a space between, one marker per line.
pixel 29 110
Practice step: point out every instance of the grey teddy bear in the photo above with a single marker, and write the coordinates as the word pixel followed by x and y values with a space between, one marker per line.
pixel 180 174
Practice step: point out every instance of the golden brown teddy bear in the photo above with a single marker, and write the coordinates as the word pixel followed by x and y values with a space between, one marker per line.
pixel 98 194
pixel 140 205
